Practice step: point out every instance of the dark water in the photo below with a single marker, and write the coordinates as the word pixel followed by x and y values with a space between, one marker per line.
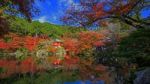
pixel 85 82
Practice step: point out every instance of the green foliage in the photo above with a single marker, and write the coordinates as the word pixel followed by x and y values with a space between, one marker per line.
pixel 2 70
pixel 24 80
pixel 21 54
pixel 23 27
pixel 136 47
pixel 53 76
pixel 86 54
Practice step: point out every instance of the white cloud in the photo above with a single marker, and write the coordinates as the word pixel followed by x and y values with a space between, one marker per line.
pixel 43 19
pixel 70 1
pixel 50 19
pixel 65 2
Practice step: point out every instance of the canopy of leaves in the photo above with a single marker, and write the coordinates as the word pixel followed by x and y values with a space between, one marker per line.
pixel 25 7
pixel 22 8
pixel 89 12
pixel 136 47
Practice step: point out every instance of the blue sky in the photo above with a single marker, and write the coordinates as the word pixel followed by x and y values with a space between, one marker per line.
pixel 52 10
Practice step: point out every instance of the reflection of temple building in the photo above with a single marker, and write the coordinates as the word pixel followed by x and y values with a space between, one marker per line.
pixel 60 51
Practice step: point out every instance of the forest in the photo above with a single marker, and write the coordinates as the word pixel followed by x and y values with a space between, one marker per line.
pixel 98 42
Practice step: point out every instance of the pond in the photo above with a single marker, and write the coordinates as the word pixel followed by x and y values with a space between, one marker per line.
pixel 47 61
pixel 85 82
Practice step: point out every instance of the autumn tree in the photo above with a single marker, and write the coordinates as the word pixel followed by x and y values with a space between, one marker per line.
pixel 24 8
pixel 136 47
pixel 89 12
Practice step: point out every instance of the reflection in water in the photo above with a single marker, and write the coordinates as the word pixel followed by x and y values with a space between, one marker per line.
pixel 85 82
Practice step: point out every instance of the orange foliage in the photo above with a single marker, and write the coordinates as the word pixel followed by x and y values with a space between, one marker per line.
pixel 57 62
pixel 99 10
pixel 9 68
pixel 17 42
pixel 85 40
pixel 88 39
pixel 70 44
pixel 121 9
pixel 28 65
pixel 125 8
pixel 3 45
pixel 71 63
pixel 104 23
pixel 31 42
pixel 99 43
pixel 72 60
pixel 52 49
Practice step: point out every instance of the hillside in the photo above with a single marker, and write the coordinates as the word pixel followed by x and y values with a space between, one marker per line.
pixel 23 27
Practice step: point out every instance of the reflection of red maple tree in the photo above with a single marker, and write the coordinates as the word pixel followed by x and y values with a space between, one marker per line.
pixel 9 68
pixel 71 62
pixel 84 40
pixel 28 65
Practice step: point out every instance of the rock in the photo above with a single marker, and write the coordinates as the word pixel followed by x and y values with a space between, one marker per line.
pixel 143 77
